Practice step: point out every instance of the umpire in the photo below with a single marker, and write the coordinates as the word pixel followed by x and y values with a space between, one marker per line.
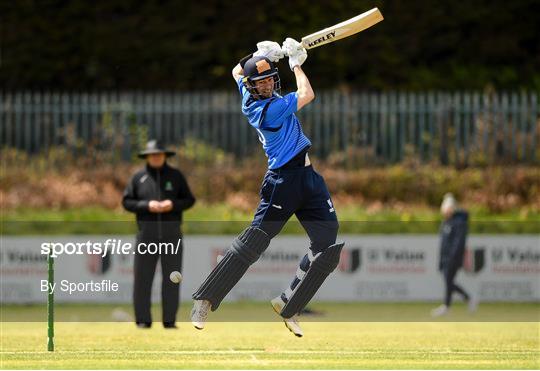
pixel 453 233
pixel 157 194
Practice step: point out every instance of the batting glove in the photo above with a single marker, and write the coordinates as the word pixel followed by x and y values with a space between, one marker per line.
pixel 270 50
pixel 295 51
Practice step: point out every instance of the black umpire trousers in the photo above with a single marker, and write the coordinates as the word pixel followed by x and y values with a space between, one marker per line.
pixel 144 271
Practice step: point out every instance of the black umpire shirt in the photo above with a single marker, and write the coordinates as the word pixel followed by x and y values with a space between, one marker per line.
pixel 165 183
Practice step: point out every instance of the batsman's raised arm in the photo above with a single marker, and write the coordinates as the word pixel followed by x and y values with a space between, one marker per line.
pixel 237 72
pixel 304 89
pixel 298 55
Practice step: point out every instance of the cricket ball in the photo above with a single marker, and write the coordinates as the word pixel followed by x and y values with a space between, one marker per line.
pixel 176 277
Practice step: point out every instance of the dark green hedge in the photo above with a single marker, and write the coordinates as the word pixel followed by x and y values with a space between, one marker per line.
pixel 126 44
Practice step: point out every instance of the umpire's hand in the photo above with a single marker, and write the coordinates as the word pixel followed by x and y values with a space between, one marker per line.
pixel 166 206
pixel 155 206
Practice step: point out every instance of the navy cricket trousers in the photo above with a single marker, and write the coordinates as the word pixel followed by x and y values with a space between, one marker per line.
pixel 300 191
pixel 303 192
pixel 449 275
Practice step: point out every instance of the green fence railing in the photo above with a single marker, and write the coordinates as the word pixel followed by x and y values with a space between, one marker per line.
pixel 460 128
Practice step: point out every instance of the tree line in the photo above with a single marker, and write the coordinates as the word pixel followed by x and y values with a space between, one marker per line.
pixel 188 45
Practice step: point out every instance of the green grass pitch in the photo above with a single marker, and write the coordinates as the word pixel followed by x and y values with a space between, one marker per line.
pixel 267 344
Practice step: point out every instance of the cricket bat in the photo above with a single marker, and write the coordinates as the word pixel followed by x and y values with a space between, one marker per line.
pixel 343 29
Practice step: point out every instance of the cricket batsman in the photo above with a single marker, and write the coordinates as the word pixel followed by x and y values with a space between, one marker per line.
pixel 290 186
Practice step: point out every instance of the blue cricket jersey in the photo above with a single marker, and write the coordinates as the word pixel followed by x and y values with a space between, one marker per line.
pixel 278 127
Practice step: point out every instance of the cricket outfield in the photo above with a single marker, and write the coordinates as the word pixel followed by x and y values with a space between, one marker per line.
pixel 454 343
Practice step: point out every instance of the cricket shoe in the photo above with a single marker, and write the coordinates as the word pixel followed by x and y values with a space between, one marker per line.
pixel 472 304
pixel 441 310
pixel 199 313
pixel 291 323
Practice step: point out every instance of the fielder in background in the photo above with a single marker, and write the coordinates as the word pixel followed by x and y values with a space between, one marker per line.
pixel 453 233
pixel 290 186
pixel 157 194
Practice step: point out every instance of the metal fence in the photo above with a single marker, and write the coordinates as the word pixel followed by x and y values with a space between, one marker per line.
pixel 353 129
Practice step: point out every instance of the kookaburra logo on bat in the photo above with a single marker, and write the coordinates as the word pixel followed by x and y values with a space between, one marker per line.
pixel 328 36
